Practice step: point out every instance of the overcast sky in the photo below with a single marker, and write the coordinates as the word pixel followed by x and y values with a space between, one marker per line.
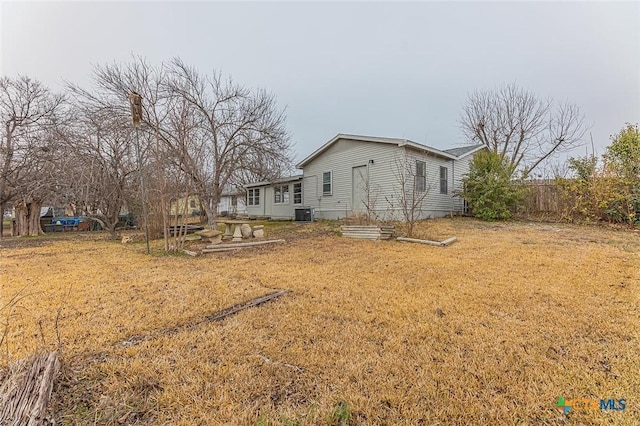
pixel 372 68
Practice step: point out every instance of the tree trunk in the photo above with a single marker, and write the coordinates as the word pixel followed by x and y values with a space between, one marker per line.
pixel 166 219
pixel 211 213
pixel 107 224
pixel 111 227
pixel 1 221
pixel 28 218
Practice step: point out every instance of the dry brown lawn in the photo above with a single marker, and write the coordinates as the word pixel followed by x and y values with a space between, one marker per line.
pixel 488 331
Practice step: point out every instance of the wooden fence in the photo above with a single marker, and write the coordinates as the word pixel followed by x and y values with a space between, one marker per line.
pixel 544 196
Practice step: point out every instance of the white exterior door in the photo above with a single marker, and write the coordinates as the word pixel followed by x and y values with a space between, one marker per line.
pixel 359 190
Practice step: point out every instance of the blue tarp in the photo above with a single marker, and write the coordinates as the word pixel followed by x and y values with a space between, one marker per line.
pixel 66 221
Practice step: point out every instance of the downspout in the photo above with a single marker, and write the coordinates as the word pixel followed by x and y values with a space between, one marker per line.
pixel 453 185
pixel 368 190
pixel 318 194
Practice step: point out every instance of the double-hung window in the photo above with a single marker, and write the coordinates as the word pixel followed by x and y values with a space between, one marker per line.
pixel 253 197
pixel 281 194
pixel 327 183
pixel 444 180
pixel 297 193
pixel 421 176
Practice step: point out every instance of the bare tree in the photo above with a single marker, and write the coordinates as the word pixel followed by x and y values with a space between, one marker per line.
pixel 242 131
pixel 215 132
pixel 521 127
pixel 162 132
pixel 412 188
pixel 29 114
pixel 100 178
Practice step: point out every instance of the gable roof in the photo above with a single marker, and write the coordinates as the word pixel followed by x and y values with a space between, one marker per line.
pixel 395 141
pixel 464 150
pixel 275 181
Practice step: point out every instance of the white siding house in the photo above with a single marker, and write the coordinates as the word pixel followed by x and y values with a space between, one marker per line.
pixel 276 199
pixel 232 204
pixel 351 174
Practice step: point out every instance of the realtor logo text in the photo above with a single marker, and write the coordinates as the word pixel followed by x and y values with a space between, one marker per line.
pixel 583 404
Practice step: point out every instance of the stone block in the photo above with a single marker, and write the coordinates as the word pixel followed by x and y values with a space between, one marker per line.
pixel 209 233
pixel 245 230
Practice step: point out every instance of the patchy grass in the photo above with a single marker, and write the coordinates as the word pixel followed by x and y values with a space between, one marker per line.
pixel 490 330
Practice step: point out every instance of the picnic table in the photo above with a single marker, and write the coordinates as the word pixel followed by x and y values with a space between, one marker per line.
pixel 237 234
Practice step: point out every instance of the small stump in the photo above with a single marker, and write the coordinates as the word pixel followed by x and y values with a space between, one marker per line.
pixel 26 389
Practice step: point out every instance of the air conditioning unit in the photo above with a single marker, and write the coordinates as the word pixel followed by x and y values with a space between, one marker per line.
pixel 304 214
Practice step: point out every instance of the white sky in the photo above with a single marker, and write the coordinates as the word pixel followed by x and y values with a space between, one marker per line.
pixel 373 68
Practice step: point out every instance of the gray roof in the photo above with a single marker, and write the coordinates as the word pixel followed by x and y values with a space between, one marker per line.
pixel 275 181
pixel 461 151
pixel 395 141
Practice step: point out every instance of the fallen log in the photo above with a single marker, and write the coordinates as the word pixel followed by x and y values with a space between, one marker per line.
pixel 26 390
pixel 428 242
pixel 242 306
pixel 216 316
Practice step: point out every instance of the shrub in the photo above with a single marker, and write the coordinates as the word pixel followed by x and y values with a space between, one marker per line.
pixel 610 192
pixel 489 187
pixel 604 195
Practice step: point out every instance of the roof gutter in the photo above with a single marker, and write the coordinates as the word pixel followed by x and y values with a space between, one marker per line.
pixel 427 149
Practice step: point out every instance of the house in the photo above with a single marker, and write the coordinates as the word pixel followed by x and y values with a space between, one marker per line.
pixel 276 199
pixel 232 203
pixel 189 205
pixel 351 175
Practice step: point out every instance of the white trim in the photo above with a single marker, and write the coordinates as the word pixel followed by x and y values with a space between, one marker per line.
pixel 424 176
pixel 294 194
pixel 330 193
pixel 274 182
pixel 254 196
pixel 446 180
pixel 282 202
pixel 394 141
pixel 473 151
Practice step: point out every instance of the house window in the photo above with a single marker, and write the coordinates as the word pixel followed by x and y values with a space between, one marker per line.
pixel 192 204
pixel 253 197
pixel 281 194
pixel 444 180
pixel 421 176
pixel 234 201
pixel 297 193
pixel 327 183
